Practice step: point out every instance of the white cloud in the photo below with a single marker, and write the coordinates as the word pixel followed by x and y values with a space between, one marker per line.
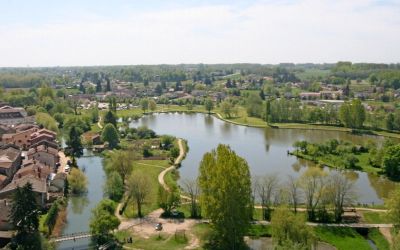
pixel 265 32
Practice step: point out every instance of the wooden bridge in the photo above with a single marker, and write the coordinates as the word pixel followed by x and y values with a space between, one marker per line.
pixel 74 237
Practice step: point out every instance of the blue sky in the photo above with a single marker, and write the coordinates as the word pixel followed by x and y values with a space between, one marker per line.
pixel 58 33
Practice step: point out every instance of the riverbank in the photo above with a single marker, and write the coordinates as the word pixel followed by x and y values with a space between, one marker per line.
pixel 244 120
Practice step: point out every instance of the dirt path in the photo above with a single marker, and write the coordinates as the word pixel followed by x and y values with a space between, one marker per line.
pixel 145 227
pixel 63 161
pixel 177 161
pixel 99 123
pixel 386 232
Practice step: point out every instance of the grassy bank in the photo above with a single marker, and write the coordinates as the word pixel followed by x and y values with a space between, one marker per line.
pixel 342 238
pixel 244 120
pixel 332 160
pixel 152 169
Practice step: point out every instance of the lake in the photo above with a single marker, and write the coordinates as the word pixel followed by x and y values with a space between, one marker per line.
pixel 265 149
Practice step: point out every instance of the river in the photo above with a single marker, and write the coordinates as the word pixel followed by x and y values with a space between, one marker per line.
pixel 79 209
pixel 265 149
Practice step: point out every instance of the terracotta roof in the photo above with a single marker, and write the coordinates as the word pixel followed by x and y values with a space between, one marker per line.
pixel 43 148
pixel 23 127
pixel 38 185
pixel 8 155
pixel 36 169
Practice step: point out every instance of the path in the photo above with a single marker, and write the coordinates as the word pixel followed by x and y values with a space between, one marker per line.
pixel 352 225
pixel 63 161
pixel 99 123
pixel 144 227
pixel 177 161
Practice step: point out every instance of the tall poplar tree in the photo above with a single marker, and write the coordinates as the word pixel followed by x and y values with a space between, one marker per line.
pixel 226 196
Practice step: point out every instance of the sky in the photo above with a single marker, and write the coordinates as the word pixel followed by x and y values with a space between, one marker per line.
pixel 127 32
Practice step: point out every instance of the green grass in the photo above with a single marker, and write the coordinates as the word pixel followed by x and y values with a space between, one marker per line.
pixel 162 242
pixel 203 232
pixel 259 231
pixel 375 217
pixel 379 240
pixel 342 238
pixel 152 172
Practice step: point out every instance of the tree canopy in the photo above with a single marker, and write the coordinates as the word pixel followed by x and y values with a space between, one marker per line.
pixel 226 195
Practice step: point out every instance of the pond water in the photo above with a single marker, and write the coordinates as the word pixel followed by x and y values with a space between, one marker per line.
pixel 265 149
pixel 80 207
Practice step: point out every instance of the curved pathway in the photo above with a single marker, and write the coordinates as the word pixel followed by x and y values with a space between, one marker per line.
pixel 99 123
pixel 172 167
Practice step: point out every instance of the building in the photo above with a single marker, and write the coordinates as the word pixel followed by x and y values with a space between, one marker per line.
pixel 12 116
pixel 21 138
pixel 39 187
pixel 44 154
pixel 10 161
pixel 42 135
pixel 34 168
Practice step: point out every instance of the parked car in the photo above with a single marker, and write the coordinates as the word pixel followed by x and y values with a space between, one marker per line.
pixel 158 227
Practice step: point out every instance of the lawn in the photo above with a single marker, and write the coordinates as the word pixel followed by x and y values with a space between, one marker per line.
pixel 375 217
pixel 162 242
pixel 342 238
pixel 152 169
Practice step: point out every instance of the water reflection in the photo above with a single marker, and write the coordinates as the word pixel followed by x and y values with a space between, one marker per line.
pixel 265 149
pixel 78 203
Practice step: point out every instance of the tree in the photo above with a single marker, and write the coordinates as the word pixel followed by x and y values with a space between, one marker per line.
pixel 290 228
pixel 358 113
pixel 158 89
pixel 192 188
pixel 108 84
pixel 293 189
pixel 77 181
pixel 208 105
pixel 226 196
pixel 254 105
pixel 152 105
pixel 226 108
pixel 266 187
pixel 121 162
pixel 103 220
pixel 352 114
pixel 114 186
pixel 390 123
pixel 74 143
pixel 25 218
pixel 312 183
pixel 144 103
pixel 110 135
pixel 341 192
pixel 167 141
pixel 168 200
pixel 111 118
pixel 138 188
pixel 391 161
pixel 393 205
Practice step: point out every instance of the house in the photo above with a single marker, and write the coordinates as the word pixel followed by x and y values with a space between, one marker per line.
pixel 39 187
pixel 309 95
pixel 57 182
pixel 10 161
pixel 21 138
pixel 5 129
pixel 12 116
pixel 44 154
pixel 42 135
pixel 34 168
